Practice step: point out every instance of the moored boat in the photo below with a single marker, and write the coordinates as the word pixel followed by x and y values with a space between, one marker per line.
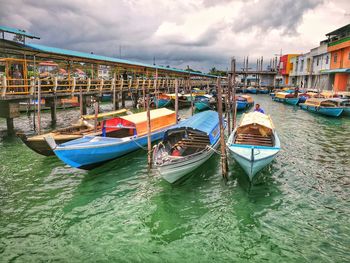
pixel 163 100
pixel 187 146
pixel 286 97
pixel 254 143
pixel 263 91
pixel 244 102
pixel 202 102
pixel 38 143
pixel 120 136
pixel 252 90
pixel 328 107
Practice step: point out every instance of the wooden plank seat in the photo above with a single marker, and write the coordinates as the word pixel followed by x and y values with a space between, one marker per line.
pixel 254 139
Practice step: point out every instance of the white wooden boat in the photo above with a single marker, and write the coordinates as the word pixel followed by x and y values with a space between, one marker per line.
pixel 254 143
pixel 195 140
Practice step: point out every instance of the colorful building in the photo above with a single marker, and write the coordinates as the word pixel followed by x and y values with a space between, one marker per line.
pixel 285 67
pixel 339 47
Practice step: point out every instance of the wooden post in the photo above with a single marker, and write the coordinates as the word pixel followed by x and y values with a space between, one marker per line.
pixel 81 100
pixel 121 91
pixel 32 86
pixel 144 94
pixel 222 132
pixel 74 85
pixel 10 126
pixel 88 85
pixel 149 141
pixel 53 111
pixel 39 106
pixel 176 100
pixel 156 89
pixel 55 84
pixel 4 86
pixel 114 93
pixel 192 100
pixel 233 80
pixel 96 114
pixel 229 103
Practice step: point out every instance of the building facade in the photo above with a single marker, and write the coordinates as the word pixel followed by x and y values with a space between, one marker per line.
pixel 285 67
pixel 339 48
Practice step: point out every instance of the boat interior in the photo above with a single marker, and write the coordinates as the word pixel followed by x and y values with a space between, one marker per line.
pixel 191 142
pixel 254 134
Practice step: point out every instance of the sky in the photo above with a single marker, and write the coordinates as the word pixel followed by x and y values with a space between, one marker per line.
pixel 199 33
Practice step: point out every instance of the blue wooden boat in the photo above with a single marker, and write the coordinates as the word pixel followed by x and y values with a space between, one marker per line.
pixel 286 97
pixel 202 102
pixel 129 134
pixel 328 107
pixel 162 101
pixel 263 91
pixel 343 103
pixel 254 143
pixel 244 102
pixel 252 90
pixel 187 146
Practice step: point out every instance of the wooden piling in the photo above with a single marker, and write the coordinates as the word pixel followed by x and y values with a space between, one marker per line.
pixel 10 126
pixel 96 113
pixel 39 106
pixel 53 111
pixel 149 141
pixel 233 83
pixel 229 103
pixel 177 100
pixel 192 99
pixel 222 131
pixel 81 105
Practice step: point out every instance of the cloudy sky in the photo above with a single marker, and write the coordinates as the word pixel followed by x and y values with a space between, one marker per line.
pixel 198 33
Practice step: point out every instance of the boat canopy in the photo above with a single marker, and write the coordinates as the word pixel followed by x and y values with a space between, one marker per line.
pixel 283 95
pixel 160 118
pixel 262 121
pixel 321 102
pixel 104 115
pixel 248 98
pixel 206 122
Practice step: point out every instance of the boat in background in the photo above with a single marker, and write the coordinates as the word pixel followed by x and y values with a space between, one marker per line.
pixel 163 100
pixel 263 91
pixel 252 90
pixel 244 102
pixel 286 97
pixel 202 102
pixel 120 136
pixel 187 146
pixel 254 143
pixel 328 107
pixel 39 145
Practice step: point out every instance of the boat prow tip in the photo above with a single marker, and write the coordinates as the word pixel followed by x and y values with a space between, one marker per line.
pixel 50 141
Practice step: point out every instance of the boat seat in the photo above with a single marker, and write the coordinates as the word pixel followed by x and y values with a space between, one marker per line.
pixel 254 139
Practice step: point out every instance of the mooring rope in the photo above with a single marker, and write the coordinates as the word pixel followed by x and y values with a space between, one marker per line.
pixel 142 147
pixel 216 151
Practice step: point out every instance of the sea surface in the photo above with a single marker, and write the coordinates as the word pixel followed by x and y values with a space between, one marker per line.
pixel 297 209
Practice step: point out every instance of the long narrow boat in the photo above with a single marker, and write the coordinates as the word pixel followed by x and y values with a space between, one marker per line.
pixel 244 102
pixel 254 143
pixel 328 107
pixel 38 143
pixel 183 99
pixel 252 90
pixel 263 91
pixel 286 97
pixel 129 133
pixel 187 146
pixel 344 104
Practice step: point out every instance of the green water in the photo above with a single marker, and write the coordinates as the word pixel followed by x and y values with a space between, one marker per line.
pixel 297 210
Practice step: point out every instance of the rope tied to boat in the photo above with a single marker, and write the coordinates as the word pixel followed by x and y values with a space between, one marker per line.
pixel 216 151
pixel 138 144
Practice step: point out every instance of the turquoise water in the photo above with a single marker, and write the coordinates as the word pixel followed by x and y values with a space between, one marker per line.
pixel 296 211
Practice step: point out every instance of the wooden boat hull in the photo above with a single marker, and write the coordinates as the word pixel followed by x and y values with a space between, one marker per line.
pixel 328 111
pixel 160 103
pixel 290 101
pixel 243 105
pixel 173 172
pixel 346 111
pixel 253 158
pixel 40 146
pixel 264 91
pixel 252 91
pixel 91 151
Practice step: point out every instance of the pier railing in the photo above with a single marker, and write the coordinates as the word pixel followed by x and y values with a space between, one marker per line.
pixel 74 85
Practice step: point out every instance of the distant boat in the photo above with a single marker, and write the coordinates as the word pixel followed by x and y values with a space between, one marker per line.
pixel 183 99
pixel 263 91
pixel 329 107
pixel 286 97
pixel 163 100
pixel 38 143
pixel 203 102
pixel 197 139
pixel 254 143
pixel 129 133
pixel 252 90
pixel 244 102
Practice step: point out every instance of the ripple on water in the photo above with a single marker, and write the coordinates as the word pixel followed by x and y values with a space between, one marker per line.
pixel 296 210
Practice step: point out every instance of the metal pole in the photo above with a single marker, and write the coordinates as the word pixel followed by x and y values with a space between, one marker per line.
pixel 222 131
pixel 149 142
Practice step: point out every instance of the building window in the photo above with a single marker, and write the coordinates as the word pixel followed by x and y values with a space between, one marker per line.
pixel 302 66
pixel 335 58
pixel 318 61
pixel 327 58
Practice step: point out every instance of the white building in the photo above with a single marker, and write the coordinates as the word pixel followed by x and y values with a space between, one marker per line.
pixel 321 62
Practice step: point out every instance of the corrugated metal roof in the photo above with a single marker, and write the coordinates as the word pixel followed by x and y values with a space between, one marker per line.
pixel 78 54
pixel 17 32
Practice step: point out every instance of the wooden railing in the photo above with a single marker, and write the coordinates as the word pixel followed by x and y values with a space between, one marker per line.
pixel 74 85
